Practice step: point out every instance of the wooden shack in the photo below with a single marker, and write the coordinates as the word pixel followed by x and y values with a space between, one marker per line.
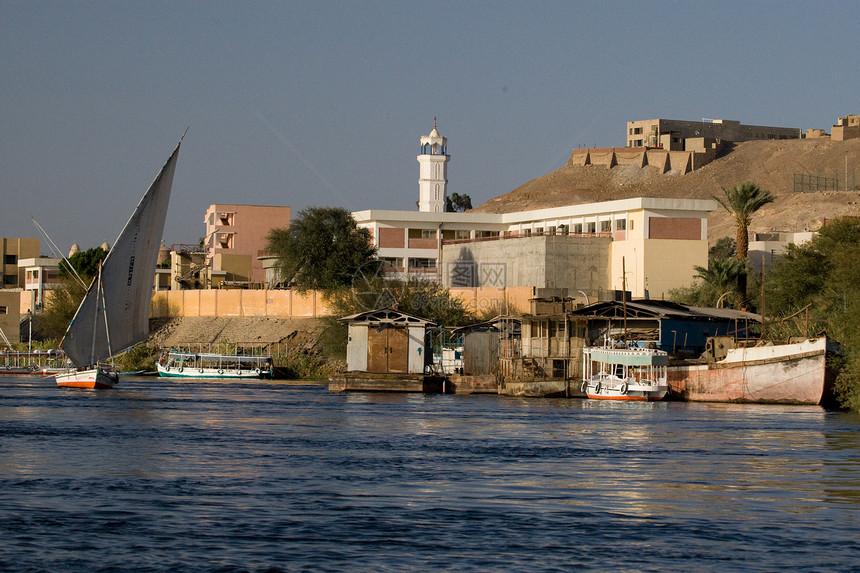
pixel 388 350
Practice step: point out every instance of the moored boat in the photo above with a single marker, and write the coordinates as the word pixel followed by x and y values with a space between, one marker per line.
pixel 794 373
pixel 627 373
pixel 212 365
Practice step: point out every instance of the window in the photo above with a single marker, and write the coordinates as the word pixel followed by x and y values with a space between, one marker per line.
pixel 637 131
pixel 428 233
pixel 11 259
pixel 10 279
pixel 605 226
pixel 621 225
pixel 462 235
pixel 422 263
pixel 591 228
pixel 631 224
pixel 577 229
pixel 4 310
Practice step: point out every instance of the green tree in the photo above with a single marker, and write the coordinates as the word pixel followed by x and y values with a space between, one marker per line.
pixel 814 289
pixel 86 263
pixel 743 201
pixel 60 307
pixel 714 285
pixel 322 249
pixel 456 203
pixel 720 278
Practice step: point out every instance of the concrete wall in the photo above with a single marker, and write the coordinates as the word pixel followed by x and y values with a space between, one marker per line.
pixel 547 261
pixel 503 300
pixel 237 302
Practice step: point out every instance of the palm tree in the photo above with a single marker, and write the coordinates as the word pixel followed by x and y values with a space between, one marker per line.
pixel 743 201
pixel 721 276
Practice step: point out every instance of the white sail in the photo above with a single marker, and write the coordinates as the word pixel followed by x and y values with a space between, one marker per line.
pixel 127 277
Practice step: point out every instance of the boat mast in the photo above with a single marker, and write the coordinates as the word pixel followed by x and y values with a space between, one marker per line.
pixel 107 329
pixel 99 293
pixel 624 296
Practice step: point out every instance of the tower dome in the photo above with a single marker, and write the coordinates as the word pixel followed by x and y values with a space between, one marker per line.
pixel 74 249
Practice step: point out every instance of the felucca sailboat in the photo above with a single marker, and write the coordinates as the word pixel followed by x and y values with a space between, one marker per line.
pixel 114 314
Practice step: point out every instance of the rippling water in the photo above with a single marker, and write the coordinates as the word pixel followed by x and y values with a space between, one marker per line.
pixel 210 476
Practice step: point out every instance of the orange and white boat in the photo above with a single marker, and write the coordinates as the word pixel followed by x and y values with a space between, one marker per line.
pixel 114 314
pixel 628 373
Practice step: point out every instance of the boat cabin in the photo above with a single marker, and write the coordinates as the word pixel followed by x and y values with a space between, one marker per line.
pixel 680 330
pixel 388 341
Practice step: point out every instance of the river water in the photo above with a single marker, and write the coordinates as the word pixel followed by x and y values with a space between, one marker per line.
pixel 272 476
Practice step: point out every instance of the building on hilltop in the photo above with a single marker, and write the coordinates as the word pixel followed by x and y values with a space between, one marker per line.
pixel 671 134
pixel 847 127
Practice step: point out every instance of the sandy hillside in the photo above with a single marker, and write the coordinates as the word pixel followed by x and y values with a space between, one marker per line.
pixel 770 164
pixel 300 334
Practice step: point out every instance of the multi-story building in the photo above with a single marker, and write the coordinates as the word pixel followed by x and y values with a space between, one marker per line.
pixel 235 239
pixel 671 134
pixel 14 249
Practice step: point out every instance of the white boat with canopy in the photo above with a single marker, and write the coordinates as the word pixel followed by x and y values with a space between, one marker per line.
pixel 181 364
pixel 628 373
pixel 114 314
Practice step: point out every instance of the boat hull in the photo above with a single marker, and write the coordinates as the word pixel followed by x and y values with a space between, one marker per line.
pixel 606 389
pixel 226 373
pixel 780 374
pixel 94 378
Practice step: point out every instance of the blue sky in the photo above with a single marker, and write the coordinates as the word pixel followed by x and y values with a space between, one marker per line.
pixel 323 103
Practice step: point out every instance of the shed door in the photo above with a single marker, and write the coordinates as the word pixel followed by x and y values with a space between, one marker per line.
pixel 387 350
pixel 398 350
pixel 377 350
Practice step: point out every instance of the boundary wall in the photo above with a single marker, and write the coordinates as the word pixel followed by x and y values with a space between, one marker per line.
pixel 282 303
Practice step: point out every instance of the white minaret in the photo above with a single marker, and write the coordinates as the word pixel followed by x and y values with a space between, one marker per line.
pixel 433 172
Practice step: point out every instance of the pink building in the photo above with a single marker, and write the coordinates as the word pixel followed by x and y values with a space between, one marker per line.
pixel 241 230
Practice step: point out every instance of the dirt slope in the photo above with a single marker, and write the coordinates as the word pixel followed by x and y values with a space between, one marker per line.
pixel 300 334
pixel 770 164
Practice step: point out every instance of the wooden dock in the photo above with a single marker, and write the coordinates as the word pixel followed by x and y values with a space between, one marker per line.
pixel 387 382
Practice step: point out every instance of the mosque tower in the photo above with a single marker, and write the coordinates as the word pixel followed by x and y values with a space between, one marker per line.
pixel 433 172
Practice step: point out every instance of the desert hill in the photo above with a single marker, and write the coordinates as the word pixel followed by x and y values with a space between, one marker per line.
pixel 769 164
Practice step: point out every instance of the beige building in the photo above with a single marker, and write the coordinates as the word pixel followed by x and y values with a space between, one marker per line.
pixel 236 238
pixel 671 134
pixel 10 316
pixel 847 127
pixel 14 249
